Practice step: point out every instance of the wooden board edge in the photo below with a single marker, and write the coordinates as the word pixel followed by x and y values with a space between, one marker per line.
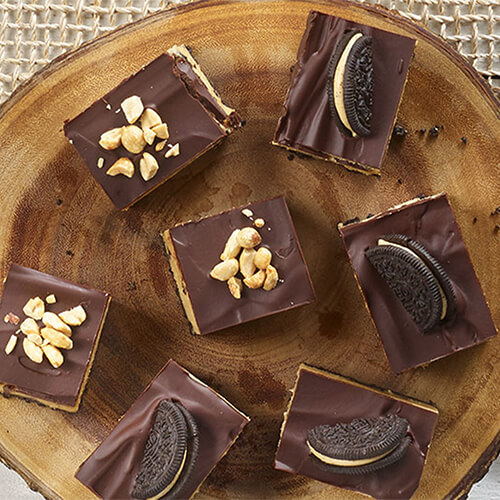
pixel 492 96
pixel 33 483
pixel 476 472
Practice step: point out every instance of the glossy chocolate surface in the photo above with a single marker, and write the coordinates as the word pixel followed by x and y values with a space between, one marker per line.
pixel 58 385
pixel 431 222
pixel 306 123
pixel 320 399
pixel 111 470
pixel 198 246
pixel 189 123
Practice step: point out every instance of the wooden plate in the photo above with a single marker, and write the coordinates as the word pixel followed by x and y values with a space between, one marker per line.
pixel 247 50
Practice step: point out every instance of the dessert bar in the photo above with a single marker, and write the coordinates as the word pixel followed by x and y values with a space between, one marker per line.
pixel 355 436
pixel 151 126
pixel 50 333
pixel 167 443
pixel 418 282
pixel 238 266
pixel 344 93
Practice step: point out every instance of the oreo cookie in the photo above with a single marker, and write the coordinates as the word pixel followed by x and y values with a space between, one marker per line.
pixel 169 455
pixel 362 445
pixel 416 278
pixel 350 84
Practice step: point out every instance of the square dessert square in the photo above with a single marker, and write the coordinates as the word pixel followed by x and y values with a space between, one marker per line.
pixel 248 291
pixel 46 358
pixel 153 124
pixel 418 282
pixel 176 415
pixel 353 436
pixel 338 80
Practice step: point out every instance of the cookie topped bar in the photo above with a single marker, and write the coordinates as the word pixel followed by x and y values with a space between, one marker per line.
pixel 50 331
pixel 238 266
pixel 354 436
pixel 167 443
pixel 151 126
pixel 415 273
pixel 345 91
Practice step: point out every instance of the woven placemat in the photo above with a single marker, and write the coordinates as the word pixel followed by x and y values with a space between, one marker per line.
pixel 32 33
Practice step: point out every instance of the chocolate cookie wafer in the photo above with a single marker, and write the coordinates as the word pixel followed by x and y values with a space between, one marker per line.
pixel 169 455
pixel 360 446
pixel 416 278
pixel 350 84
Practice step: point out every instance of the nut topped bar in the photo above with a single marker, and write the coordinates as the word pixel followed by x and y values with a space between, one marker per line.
pixel 151 126
pixel 418 282
pixel 353 436
pixel 238 266
pixel 167 443
pixel 345 91
pixel 50 330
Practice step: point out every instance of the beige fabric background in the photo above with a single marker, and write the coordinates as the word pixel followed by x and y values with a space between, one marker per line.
pixel 33 32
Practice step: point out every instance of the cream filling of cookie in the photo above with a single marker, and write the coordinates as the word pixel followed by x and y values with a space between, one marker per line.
pixel 338 83
pixel 174 480
pixel 347 463
pixel 444 309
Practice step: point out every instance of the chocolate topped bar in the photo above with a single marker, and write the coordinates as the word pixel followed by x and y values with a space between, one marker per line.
pixel 416 276
pixel 177 414
pixel 354 436
pixel 151 126
pixel 238 266
pixel 53 328
pixel 345 91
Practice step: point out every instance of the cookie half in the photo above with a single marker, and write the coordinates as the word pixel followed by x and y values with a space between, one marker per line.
pixel 416 278
pixel 447 290
pixel 390 459
pixel 169 454
pixel 350 84
pixel 411 281
pixel 359 442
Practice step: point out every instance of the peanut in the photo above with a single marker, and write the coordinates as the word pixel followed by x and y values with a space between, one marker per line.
pixel 122 166
pixel 263 258
pixel 247 266
pixel 53 321
pixel 56 338
pixel 248 237
pixel 225 270
pixel 33 351
pixel 173 151
pixel 256 280
pixel 149 119
pixel 53 354
pixel 34 308
pixel 11 344
pixel 232 247
pixel 132 108
pixel 235 287
pixel 111 139
pixel 29 326
pixel 161 131
pixel 74 317
pixel 51 299
pixel 133 139
pixel 271 278
pixel 148 166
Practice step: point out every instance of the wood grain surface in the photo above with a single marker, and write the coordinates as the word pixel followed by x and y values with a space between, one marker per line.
pixel 247 50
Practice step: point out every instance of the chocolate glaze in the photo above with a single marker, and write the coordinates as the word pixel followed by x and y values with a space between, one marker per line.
pixel 431 222
pixel 161 88
pixel 198 246
pixel 306 123
pixel 319 399
pixel 111 470
pixel 58 385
